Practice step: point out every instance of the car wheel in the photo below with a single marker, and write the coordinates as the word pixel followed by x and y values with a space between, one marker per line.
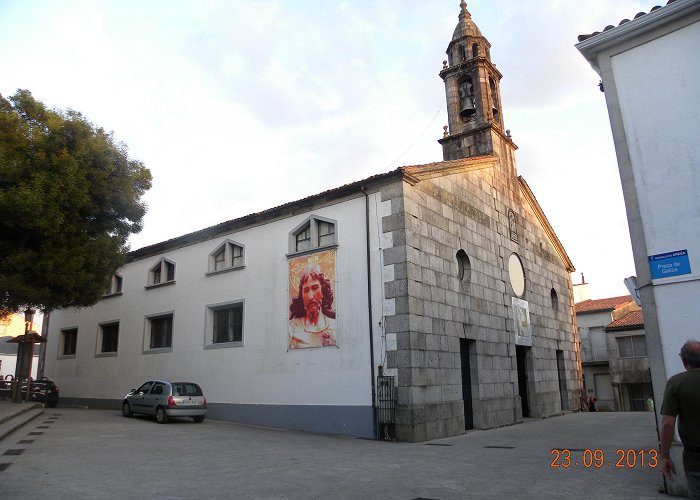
pixel 199 419
pixel 126 409
pixel 161 416
pixel 52 404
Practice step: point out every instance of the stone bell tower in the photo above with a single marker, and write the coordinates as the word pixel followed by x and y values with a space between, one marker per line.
pixel 475 120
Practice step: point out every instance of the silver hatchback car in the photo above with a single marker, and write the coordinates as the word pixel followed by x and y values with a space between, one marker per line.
pixel 166 399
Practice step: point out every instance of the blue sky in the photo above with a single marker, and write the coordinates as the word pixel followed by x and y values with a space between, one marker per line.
pixel 237 106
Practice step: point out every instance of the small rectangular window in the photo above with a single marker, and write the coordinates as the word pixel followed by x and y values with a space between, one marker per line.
pixel 632 347
pixel 237 255
pixel 639 345
pixel 326 233
pixel 220 260
pixel 110 337
pixel 228 324
pixel 304 240
pixel 69 342
pixel 170 271
pixel 161 332
pixel 115 285
pixel 624 346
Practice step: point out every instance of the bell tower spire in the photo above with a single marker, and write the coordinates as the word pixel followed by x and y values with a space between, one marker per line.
pixel 472 87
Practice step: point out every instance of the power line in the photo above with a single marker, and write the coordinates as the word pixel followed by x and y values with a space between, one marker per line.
pixel 414 142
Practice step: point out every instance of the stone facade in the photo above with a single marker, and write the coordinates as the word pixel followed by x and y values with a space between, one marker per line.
pixel 430 222
pixel 473 210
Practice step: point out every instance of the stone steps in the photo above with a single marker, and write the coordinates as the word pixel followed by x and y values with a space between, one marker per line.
pixel 18 415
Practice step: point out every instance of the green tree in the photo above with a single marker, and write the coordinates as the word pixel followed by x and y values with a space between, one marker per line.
pixel 69 199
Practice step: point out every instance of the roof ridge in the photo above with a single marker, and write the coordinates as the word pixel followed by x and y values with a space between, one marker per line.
pixel 584 37
pixel 598 305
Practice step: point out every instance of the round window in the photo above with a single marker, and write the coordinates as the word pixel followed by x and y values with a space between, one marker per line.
pixel 516 272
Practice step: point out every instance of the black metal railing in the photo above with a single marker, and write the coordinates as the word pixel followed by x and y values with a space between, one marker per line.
pixel 386 407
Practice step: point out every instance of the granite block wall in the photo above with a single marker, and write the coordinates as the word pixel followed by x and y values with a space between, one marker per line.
pixel 429 223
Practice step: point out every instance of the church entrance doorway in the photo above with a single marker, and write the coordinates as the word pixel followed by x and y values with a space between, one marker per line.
pixel 464 348
pixel 521 358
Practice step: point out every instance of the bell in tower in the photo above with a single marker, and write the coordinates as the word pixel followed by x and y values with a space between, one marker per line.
pixel 466 99
pixel 472 91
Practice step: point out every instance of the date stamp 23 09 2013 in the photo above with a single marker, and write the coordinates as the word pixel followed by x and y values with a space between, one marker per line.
pixel 566 458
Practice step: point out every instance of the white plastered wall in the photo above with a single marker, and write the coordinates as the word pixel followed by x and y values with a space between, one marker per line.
pixel 657 86
pixel 260 372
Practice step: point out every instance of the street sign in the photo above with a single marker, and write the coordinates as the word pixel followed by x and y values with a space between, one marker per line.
pixel 670 264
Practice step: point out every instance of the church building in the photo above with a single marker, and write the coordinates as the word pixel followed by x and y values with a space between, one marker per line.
pixel 415 304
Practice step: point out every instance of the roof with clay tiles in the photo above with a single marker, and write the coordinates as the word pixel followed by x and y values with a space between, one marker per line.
pixel 609 27
pixel 599 305
pixel 630 321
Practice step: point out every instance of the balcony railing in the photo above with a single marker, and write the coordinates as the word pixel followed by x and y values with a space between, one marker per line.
pixel 594 354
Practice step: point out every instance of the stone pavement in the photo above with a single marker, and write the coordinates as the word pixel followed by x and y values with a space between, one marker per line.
pixel 92 453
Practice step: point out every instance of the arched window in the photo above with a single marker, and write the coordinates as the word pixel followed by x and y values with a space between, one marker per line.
pixel 464 267
pixel 494 98
pixel 462 53
pixel 475 50
pixel 467 110
pixel 555 299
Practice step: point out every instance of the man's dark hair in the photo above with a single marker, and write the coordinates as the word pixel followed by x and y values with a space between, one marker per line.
pixel 296 308
pixel 690 353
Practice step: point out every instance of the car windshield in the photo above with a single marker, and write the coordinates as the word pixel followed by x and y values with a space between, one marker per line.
pixel 186 389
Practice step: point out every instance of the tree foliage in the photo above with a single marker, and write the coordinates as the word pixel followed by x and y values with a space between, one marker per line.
pixel 69 199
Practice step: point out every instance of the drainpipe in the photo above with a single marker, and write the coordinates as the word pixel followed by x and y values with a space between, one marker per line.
pixel 371 321
pixel 577 346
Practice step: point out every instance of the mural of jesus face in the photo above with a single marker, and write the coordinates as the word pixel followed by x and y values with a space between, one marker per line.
pixel 313 297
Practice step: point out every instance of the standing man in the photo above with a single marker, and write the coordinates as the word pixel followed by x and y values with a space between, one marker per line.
pixel 682 400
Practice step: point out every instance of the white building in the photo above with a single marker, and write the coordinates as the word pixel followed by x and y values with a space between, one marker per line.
pixel 613 353
pixel 650 67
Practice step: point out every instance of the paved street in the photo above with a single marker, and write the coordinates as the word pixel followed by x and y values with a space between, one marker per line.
pixel 78 453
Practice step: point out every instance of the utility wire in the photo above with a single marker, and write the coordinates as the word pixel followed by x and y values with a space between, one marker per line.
pixel 414 142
